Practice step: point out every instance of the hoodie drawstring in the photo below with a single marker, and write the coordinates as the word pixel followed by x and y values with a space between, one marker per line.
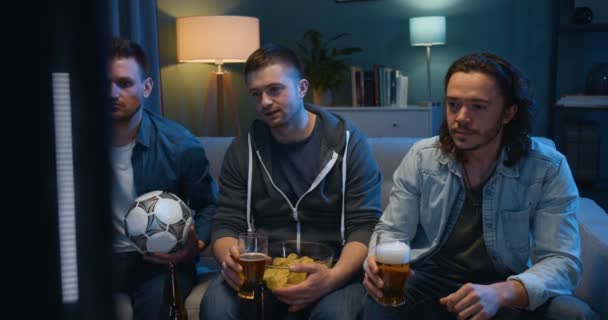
pixel 249 182
pixel 250 224
pixel 344 186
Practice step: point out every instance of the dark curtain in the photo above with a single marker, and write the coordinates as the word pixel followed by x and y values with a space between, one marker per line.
pixel 136 20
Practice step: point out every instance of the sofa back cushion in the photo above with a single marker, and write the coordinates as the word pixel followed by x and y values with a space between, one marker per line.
pixel 388 153
pixel 215 148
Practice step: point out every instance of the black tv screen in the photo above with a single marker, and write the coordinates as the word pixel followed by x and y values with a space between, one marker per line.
pixel 56 133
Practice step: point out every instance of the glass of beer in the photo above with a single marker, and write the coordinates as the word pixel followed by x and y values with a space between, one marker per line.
pixel 253 253
pixel 393 260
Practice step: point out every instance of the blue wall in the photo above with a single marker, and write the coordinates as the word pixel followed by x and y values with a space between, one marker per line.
pixel 519 30
pixel 576 52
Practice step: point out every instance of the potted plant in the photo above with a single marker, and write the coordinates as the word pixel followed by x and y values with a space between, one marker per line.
pixel 324 65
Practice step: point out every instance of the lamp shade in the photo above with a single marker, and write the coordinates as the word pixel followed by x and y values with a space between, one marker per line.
pixel 217 39
pixel 427 31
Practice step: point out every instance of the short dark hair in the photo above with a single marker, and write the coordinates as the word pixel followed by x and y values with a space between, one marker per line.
pixel 515 89
pixel 125 48
pixel 270 54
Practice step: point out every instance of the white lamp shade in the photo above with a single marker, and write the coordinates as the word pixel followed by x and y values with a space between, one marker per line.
pixel 217 39
pixel 427 31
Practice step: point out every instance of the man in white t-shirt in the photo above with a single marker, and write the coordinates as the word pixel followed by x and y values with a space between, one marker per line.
pixel 151 152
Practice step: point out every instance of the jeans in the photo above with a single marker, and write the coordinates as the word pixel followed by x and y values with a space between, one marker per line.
pixel 221 302
pixel 144 282
pixel 424 290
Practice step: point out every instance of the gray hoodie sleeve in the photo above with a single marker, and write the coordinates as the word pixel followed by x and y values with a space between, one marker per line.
pixel 230 216
pixel 363 189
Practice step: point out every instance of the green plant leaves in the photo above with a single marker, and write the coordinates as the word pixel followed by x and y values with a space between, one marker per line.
pixel 324 66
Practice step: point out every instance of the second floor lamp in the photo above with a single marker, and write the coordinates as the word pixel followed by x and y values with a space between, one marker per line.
pixel 427 31
pixel 218 40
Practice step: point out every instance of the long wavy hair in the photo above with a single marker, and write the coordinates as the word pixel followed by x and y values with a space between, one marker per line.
pixel 515 89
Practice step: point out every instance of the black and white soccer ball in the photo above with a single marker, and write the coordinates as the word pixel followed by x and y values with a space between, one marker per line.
pixel 158 221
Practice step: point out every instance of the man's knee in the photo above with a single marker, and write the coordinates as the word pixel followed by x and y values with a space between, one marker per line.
pixel 568 307
pixel 345 303
pixel 124 306
pixel 219 301
pixel 372 310
pixel 336 311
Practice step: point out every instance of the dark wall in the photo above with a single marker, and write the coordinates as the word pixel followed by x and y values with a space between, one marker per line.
pixel 577 50
pixel 519 30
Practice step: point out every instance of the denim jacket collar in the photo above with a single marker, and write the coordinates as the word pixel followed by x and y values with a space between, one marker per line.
pixel 501 168
pixel 144 135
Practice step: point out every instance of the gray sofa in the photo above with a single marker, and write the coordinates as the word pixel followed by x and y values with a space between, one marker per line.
pixel 593 224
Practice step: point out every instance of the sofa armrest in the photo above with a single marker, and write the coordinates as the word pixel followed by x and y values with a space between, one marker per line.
pixel 593 227
pixel 193 301
pixel 206 270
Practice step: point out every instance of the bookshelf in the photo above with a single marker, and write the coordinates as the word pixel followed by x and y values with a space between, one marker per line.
pixel 410 121
pixel 596 27
pixel 577 123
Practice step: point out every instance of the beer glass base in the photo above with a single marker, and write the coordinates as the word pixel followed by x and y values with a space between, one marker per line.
pixel 247 295
pixel 391 303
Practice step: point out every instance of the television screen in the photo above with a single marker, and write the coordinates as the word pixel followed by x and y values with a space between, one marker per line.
pixel 57 168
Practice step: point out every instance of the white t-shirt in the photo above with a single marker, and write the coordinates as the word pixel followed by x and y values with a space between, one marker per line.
pixel 123 194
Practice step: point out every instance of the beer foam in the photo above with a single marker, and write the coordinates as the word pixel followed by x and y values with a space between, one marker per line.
pixel 394 252
pixel 252 256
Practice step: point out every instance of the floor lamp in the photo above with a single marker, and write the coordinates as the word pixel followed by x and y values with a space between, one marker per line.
pixel 427 31
pixel 218 40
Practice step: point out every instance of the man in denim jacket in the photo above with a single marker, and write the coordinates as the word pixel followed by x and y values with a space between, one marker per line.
pixel 489 212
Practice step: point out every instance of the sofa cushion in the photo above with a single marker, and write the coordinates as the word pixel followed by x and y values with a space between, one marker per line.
pixel 215 148
pixel 593 227
pixel 388 153
pixel 193 301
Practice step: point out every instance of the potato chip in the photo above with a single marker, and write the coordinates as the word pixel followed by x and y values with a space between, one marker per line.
pixel 279 262
pixel 306 259
pixel 276 278
pixel 278 274
pixel 295 278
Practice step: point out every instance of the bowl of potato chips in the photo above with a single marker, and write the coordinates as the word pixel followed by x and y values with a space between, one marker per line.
pixel 286 253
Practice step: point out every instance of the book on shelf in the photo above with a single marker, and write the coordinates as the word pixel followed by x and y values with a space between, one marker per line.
pixel 357 85
pixel 393 93
pixel 583 101
pixel 368 88
pixel 378 86
pixel 376 72
pixel 401 90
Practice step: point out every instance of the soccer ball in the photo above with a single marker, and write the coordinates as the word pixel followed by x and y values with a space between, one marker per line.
pixel 158 221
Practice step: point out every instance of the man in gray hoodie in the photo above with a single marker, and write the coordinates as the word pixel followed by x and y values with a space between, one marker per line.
pixel 300 173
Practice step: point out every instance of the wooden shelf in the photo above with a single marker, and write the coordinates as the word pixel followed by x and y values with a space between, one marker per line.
pixel 593 27
pixel 376 108
pixel 599 107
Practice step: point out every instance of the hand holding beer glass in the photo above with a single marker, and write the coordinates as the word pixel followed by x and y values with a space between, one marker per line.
pixel 253 253
pixel 393 261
